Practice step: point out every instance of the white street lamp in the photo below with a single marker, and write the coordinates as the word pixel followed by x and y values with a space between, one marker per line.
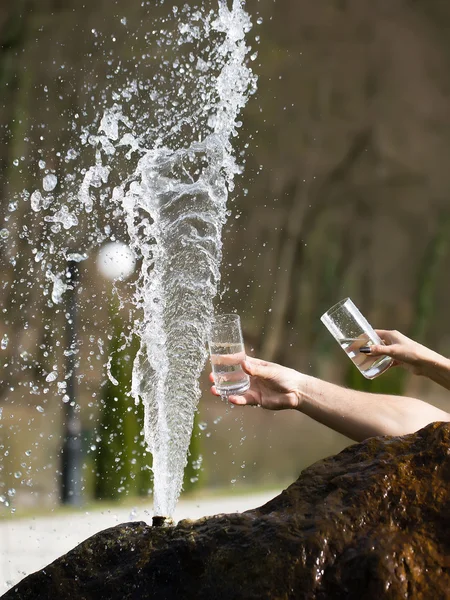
pixel 115 260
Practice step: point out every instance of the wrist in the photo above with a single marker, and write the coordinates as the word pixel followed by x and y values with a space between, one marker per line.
pixel 435 367
pixel 303 383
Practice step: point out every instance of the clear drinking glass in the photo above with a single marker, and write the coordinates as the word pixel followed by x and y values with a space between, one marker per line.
pixel 226 348
pixel 352 331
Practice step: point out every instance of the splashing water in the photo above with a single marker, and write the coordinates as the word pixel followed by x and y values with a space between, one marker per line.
pixel 175 207
pixel 164 165
pixel 183 194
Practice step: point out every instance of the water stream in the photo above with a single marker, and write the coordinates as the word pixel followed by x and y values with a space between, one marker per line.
pixel 161 169
pixel 175 207
pixel 174 202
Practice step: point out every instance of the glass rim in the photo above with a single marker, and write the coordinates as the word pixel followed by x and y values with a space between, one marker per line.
pixel 336 307
pixel 223 319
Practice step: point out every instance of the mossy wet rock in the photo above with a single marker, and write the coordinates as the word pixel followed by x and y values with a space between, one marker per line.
pixel 370 522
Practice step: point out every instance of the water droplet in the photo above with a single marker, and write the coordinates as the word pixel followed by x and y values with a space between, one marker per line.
pixel 4 342
pixel 17 474
pixel 36 201
pixel 51 376
pixel 71 155
pixel 62 386
pixel 4 233
pixel 63 216
pixel 77 257
pixel 202 426
pixel 39 408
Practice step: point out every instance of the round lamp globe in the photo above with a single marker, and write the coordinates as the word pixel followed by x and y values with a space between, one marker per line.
pixel 115 260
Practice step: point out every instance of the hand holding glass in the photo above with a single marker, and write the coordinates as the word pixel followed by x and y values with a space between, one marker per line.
pixel 226 348
pixel 352 331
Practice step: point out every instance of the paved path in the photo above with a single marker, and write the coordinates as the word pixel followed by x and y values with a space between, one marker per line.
pixel 27 545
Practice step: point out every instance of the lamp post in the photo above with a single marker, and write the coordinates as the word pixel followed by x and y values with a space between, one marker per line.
pixel 115 447
pixel 72 450
pixel 115 261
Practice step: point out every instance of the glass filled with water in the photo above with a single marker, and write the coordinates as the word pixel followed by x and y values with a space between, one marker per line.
pixel 226 348
pixel 352 331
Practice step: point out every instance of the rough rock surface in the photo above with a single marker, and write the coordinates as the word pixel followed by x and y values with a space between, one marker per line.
pixel 370 522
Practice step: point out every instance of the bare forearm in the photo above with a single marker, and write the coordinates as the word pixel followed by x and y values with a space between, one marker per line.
pixel 437 368
pixel 360 415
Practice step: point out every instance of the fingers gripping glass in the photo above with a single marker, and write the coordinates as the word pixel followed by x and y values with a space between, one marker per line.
pixel 352 331
pixel 226 349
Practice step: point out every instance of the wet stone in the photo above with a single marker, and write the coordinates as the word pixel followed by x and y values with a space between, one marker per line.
pixel 372 522
pixel 162 522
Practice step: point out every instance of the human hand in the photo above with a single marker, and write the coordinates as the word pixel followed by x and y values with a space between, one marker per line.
pixel 272 386
pixel 404 351
pixel 359 351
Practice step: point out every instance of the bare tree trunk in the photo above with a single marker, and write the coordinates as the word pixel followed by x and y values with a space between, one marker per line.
pixel 297 223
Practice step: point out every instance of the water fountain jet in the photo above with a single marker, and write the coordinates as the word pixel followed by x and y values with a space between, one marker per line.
pixel 163 176
pixel 174 206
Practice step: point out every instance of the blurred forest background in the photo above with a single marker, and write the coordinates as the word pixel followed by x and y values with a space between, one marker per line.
pixel 344 192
